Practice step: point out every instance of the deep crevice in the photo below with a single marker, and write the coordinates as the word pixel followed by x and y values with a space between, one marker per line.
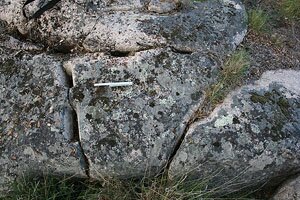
pixel 38 13
pixel 202 111
pixel 62 49
pixel 194 118
pixel 84 161
pixel 181 51
pixel 121 53
pixel 66 48
pixel 69 81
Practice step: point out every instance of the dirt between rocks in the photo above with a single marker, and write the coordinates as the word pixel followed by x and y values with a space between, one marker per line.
pixel 277 48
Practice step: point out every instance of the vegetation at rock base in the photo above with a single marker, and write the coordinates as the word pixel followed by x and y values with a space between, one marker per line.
pixel 260 18
pixel 48 187
pixel 231 76
pixel 257 20
pixel 290 9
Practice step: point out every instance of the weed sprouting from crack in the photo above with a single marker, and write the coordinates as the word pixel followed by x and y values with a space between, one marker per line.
pixel 230 77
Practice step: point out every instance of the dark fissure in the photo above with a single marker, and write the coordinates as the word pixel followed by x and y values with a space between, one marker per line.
pixel 121 53
pixel 84 161
pixel 191 121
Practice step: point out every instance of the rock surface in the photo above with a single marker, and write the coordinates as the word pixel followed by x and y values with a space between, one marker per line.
pixel 130 130
pixel 290 190
pixel 251 139
pixel 171 51
pixel 127 131
pixel 127 26
pixel 36 118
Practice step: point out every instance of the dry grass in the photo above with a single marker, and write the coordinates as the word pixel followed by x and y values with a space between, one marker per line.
pixel 231 76
pixel 290 9
pixel 67 188
pixel 257 20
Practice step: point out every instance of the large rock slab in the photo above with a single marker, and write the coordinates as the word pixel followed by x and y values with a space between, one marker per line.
pixel 253 138
pixel 128 131
pixel 158 45
pixel 130 26
pixel 36 130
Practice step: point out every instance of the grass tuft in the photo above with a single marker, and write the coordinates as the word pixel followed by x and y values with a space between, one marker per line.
pixel 67 188
pixel 257 19
pixel 231 75
pixel 290 9
pixel 44 187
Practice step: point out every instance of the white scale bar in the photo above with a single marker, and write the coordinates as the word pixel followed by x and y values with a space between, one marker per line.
pixel 115 84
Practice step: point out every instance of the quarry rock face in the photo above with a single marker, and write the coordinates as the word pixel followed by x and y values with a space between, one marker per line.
pixel 169 50
pixel 129 130
pixel 130 26
pixel 250 139
pixel 36 119
pixel 54 118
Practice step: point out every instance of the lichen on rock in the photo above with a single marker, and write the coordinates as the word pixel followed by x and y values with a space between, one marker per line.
pixel 130 130
pixel 170 52
pixel 128 26
pixel 35 125
pixel 252 138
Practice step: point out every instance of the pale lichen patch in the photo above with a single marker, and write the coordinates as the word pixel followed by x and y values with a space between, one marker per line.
pixel 223 121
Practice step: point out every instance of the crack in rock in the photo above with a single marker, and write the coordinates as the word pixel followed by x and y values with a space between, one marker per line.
pixel 125 131
pixel 34 112
pixel 84 161
pixel 252 137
